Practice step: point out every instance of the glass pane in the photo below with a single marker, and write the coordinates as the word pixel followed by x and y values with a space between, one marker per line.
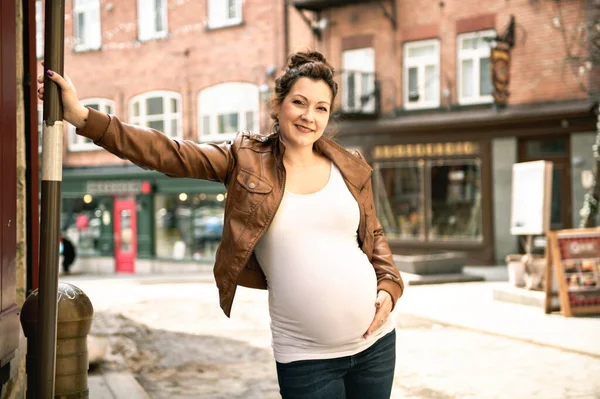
pixel 351 90
pixel 173 105
pixel 399 193
pixel 126 231
pixel 485 77
pixel 93 106
pixel 468 44
pixel 249 120
pixel 136 108
pixel 413 85
pixel 194 225
pixel 455 200
pixel 422 51
pixel 108 109
pixel 158 15
pixel 228 123
pixel 154 106
pixel 82 224
pixel 79 28
pixel 467 78
pixel 556 212
pixel 547 148
pixel 157 125
pixel 431 83
pixel 206 125
pixel 174 128
pixel 232 9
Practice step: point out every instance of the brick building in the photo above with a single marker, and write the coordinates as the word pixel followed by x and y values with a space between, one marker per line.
pixel 418 99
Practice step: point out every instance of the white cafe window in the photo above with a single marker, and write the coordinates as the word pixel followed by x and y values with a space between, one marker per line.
pixel 39 30
pixel 421 87
pixel 86 24
pixel 80 143
pixel 227 108
pixel 223 13
pixel 474 69
pixel 160 110
pixel 358 80
pixel 152 19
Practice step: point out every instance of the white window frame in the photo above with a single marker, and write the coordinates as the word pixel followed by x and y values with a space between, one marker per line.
pixel 356 62
pixel 218 13
pixel 80 143
pixel 39 30
pixel 227 98
pixel 147 29
pixel 421 63
pixel 167 116
pixel 92 32
pixel 475 55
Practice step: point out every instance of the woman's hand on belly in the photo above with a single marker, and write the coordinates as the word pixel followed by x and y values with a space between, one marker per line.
pixel 383 306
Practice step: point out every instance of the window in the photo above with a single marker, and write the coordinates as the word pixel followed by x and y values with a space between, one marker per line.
pixel 86 22
pixel 474 69
pixel 152 19
pixel 358 80
pixel 430 199
pixel 80 143
pixel 227 108
pixel 421 74
pixel 223 13
pixel 158 110
pixel 39 30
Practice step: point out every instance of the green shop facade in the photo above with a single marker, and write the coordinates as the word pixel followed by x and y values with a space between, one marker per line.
pixel 127 219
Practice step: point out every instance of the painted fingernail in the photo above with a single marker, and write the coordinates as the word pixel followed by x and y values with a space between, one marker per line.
pixel 49 72
pixel 377 304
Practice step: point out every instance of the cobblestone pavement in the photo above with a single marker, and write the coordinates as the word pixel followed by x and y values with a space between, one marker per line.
pixel 176 340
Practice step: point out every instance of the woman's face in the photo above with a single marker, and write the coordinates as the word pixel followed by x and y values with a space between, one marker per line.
pixel 304 113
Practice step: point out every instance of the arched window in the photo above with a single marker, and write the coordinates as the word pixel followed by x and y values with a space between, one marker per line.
pixel 225 109
pixel 160 110
pixel 80 143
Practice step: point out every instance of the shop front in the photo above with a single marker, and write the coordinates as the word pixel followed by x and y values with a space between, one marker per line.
pixel 124 216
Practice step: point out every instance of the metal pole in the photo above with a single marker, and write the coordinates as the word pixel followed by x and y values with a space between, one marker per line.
pixel 50 202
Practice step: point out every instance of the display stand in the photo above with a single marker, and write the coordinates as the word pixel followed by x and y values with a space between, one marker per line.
pixel 574 257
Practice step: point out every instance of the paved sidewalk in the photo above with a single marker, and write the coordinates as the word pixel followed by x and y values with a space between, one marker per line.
pixel 115 385
pixel 471 306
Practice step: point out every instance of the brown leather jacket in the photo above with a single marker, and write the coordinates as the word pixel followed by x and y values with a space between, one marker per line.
pixel 251 167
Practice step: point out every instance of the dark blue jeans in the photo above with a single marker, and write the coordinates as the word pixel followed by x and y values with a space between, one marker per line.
pixel 366 375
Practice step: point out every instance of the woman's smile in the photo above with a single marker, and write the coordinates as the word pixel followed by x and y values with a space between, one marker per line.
pixel 303 129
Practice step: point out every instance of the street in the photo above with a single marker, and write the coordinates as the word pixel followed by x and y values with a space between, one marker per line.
pixel 170 332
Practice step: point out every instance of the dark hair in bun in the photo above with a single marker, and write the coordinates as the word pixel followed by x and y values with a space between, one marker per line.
pixel 309 64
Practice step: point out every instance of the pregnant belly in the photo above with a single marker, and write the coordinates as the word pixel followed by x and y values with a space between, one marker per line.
pixel 328 310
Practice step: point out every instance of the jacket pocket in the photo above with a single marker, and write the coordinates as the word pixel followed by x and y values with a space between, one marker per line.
pixel 249 191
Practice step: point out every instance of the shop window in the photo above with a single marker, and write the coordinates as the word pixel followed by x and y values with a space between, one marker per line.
pixel 87 223
pixel 547 148
pixel 358 80
pixel 159 110
pixel 222 13
pixel 39 30
pixel 474 70
pixel 152 19
pixel 188 226
pixel 430 199
pixel 227 108
pixel 399 201
pixel 455 200
pixel 421 74
pixel 80 143
pixel 86 24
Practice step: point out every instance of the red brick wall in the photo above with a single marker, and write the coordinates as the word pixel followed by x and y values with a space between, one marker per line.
pixel 539 71
pixel 189 60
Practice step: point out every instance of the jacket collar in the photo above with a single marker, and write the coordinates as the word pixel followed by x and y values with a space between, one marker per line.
pixel 355 170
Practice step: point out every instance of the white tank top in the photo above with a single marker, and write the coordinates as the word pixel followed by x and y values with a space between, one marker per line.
pixel 322 287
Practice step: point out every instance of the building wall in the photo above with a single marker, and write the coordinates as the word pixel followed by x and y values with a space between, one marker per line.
pixel 190 59
pixel 540 69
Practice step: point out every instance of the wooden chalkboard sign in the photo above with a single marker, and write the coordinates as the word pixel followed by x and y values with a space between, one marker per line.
pixel 575 257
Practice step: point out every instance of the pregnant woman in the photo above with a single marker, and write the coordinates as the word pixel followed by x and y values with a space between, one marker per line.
pixel 299 221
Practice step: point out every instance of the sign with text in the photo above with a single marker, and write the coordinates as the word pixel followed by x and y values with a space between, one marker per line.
pixel 425 150
pixel 109 187
pixel 575 255
pixel 531 198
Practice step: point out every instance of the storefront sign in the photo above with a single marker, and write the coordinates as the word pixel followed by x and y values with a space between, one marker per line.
pixel 425 150
pixel 117 187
